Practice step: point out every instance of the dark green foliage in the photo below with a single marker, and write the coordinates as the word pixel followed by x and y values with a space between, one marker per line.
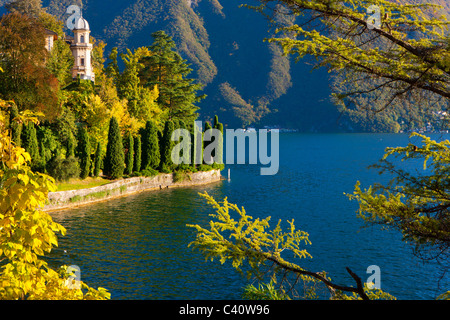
pixel 40 166
pixel 197 138
pixel 114 159
pixel 98 160
pixel 181 125
pixel 167 144
pixel 71 145
pixel 129 85
pixel 137 154
pixel 149 172
pixel 129 156
pixel 48 142
pixel 16 128
pixel 63 169
pixel 84 153
pixel 150 147
pixel 30 144
pixel 112 70
pixel 218 156
pixel 207 127
pixel 65 126
pixel 168 70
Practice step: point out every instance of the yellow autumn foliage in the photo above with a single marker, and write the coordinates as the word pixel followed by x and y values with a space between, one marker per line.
pixel 26 232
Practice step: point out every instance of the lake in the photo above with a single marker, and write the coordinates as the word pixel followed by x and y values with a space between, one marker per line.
pixel 136 246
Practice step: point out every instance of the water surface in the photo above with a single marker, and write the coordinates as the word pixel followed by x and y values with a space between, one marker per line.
pixel 136 246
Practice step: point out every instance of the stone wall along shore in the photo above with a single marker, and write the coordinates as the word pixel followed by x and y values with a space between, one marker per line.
pixel 72 198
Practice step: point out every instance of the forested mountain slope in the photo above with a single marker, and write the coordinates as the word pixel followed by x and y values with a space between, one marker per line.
pixel 247 80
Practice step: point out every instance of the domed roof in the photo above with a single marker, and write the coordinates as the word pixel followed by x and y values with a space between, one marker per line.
pixel 81 24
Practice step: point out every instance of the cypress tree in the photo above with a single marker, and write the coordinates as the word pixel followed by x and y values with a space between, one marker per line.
pixel 98 159
pixel 30 143
pixel 207 126
pixel 84 153
pixel 40 166
pixel 137 154
pixel 151 156
pixel 71 145
pixel 129 158
pixel 114 159
pixel 197 134
pixel 16 128
pixel 206 143
pixel 167 145
pixel 218 157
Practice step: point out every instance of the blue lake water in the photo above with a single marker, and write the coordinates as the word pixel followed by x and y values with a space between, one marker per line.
pixel 136 246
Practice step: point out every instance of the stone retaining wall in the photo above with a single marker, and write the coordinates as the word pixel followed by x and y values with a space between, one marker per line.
pixel 72 198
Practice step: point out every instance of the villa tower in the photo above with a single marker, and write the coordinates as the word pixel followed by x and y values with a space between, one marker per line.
pixel 81 51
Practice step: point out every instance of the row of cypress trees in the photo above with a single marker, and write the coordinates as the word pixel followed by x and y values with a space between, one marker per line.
pixel 147 153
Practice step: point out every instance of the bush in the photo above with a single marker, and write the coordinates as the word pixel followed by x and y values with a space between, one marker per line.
pixel 205 167
pixel 179 176
pixel 64 169
pixel 217 166
pixel 149 172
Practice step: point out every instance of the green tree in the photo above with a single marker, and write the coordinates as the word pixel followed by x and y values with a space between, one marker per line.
pixel 218 156
pixel 165 68
pixel 114 159
pixel 197 145
pixel 98 159
pixel 206 143
pixel 42 158
pixel 71 145
pixel 112 70
pixel 129 85
pixel 30 144
pixel 16 128
pixel 84 152
pixel 129 156
pixel 137 153
pixel 151 155
pixel 167 144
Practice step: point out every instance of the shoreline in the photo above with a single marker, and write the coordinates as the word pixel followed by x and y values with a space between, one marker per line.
pixel 63 200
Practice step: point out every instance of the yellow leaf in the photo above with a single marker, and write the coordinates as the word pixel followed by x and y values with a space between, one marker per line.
pixel 25 178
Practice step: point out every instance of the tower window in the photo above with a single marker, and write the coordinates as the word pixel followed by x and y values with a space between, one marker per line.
pixel 82 39
pixel 82 62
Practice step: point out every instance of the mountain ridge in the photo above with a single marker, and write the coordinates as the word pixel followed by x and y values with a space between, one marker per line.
pixel 246 80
